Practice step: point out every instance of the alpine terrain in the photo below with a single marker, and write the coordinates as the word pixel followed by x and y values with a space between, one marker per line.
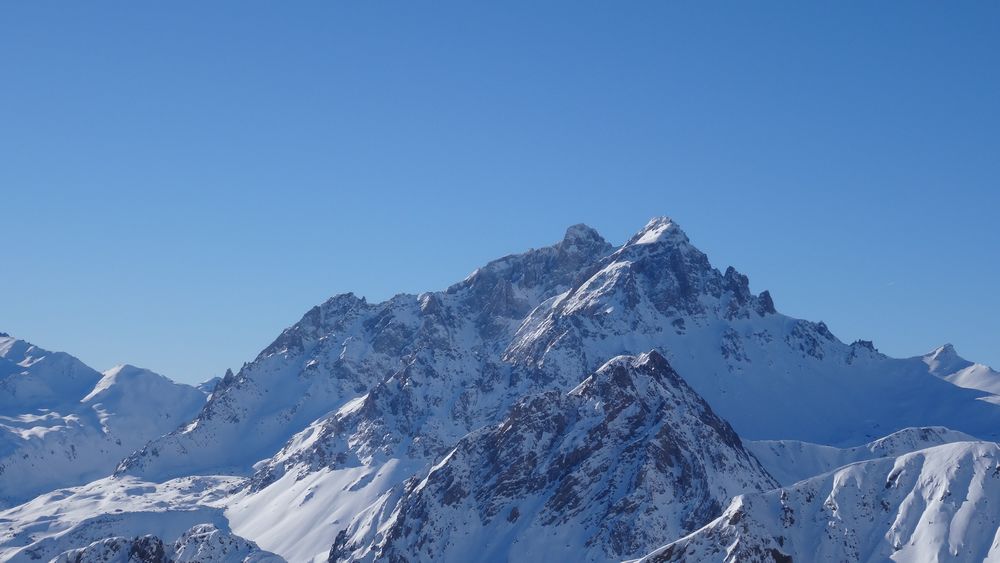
pixel 578 402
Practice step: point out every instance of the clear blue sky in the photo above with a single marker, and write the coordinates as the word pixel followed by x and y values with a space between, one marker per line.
pixel 179 181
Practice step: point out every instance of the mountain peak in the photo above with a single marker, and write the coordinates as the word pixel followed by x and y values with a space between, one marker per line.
pixel 126 376
pixel 944 360
pixel 659 230
pixel 124 369
pixel 645 378
pixel 582 233
pixel 128 372
pixel 583 240
pixel 945 350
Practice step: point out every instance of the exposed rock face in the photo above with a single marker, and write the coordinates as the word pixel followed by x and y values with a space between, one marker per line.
pixel 205 542
pixel 629 457
pixel 938 504
pixel 145 549
pixel 202 543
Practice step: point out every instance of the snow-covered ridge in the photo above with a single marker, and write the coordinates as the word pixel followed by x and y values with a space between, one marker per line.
pixel 937 504
pixel 945 363
pixel 790 461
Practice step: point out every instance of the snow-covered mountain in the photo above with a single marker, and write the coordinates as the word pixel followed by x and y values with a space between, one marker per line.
pixel 790 461
pixel 945 363
pixel 454 423
pixel 627 458
pixel 937 504
pixel 63 423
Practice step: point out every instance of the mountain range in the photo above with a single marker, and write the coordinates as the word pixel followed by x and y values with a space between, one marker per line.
pixel 581 401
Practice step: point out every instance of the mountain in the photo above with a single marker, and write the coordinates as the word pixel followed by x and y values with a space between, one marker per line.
pixel 790 461
pixel 937 504
pixel 63 423
pixel 945 363
pixel 627 458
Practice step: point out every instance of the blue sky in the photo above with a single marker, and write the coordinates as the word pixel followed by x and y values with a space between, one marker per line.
pixel 180 181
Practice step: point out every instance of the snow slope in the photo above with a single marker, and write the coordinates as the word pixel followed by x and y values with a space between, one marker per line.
pixel 790 461
pixel 937 504
pixel 75 424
